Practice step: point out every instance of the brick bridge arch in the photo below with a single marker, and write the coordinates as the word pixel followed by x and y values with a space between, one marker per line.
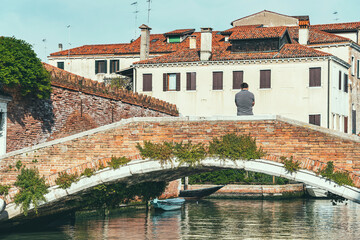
pixel 311 145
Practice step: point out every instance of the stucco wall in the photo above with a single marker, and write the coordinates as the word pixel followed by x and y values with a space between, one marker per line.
pixel 289 95
pixel 268 19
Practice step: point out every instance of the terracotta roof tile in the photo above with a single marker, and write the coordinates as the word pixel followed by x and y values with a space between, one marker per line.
pixel 337 26
pixel 258 33
pixel 237 28
pixel 158 44
pixel 316 36
pixel 180 32
pixel 223 53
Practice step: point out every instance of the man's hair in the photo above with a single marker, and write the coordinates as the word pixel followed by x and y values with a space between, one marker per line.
pixel 244 85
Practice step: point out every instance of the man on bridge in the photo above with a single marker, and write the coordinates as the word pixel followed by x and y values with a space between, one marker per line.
pixel 244 100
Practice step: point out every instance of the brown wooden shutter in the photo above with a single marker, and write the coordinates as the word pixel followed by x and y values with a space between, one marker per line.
pixel 345 124
pixel 147 82
pixel 346 83
pixel 217 80
pixel 237 79
pixel 165 87
pixel 339 80
pixel 265 78
pixel 177 81
pixel 315 119
pixel 315 77
pixel 191 81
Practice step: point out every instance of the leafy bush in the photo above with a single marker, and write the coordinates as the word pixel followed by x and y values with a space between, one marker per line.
pixel 290 165
pixel 4 190
pixel 20 69
pixel 341 178
pixel 189 153
pixel 18 165
pixel 118 162
pixel 32 189
pixel 65 180
pixel 235 147
pixel 157 151
pixel 88 172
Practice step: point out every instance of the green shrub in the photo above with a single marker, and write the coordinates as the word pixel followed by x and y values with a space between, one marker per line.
pixel 157 151
pixel 65 180
pixel 4 190
pixel 88 172
pixel 290 165
pixel 32 189
pixel 341 178
pixel 18 165
pixel 117 162
pixel 235 147
pixel 189 153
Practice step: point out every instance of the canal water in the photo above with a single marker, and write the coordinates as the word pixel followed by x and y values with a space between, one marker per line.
pixel 210 219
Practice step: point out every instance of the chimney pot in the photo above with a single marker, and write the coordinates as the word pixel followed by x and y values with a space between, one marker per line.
pixel 192 42
pixel 206 44
pixel 144 42
pixel 60 47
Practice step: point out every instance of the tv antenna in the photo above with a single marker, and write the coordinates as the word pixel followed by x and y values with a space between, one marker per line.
pixel 69 28
pixel 135 4
pixel 149 9
pixel 335 14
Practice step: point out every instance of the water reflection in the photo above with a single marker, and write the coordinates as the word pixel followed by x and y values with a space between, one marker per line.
pixel 214 219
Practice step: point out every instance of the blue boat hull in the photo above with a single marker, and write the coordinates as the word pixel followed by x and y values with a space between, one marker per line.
pixel 168 204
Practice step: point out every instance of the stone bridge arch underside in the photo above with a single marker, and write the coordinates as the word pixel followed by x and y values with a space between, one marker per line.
pixel 311 145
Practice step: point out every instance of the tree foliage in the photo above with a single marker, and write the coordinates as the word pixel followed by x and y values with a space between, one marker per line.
pixel 22 70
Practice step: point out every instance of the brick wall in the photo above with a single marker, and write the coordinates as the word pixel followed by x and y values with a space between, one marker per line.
pixel 313 146
pixel 77 104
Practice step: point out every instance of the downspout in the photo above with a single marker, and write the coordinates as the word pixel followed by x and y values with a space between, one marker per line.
pixel 328 96
pixel 134 80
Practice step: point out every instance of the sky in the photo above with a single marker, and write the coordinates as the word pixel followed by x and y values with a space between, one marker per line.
pixel 46 23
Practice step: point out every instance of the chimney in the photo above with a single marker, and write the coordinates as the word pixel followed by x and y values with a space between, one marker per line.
pixel 192 42
pixel 206 44
pixel 303 32
pixel 60 47
pixel 145 42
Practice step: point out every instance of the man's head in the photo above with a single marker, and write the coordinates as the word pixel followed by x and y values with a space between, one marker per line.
pixel 244 86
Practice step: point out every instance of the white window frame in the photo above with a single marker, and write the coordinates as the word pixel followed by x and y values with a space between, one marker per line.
pixel 352 65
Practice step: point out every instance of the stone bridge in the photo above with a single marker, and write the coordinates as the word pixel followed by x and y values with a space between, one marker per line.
pixel 313 146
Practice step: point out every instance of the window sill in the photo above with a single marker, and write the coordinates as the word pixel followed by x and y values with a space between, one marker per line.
pixel 264 88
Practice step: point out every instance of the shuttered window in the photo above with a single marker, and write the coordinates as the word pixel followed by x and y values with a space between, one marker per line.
pixel 358 69
pixel 238 78
pixel 346 82
pixel 191 81
pixel 217 80
pixel 171 82
pixel 100 66
pixel 114 66
pixel 60 65
pixel 265 78
pixel 147 82
pixel 315 77
pixel 340 80
pixel 315 119
pixel 345 124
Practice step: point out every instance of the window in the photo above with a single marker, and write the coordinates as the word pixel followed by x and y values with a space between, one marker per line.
pixel 217 80
pixel 358 69
pixel 60 65
pixel 315 77
pixel 352 65
pixel 171 82
pixel 147 82
pixel 191 81
pixel 315 119
pixel 345 124
pixel 345 83
pixel 340 80
pixel 265 78
pixel 100 66
pixel 238 78
pixel 114 66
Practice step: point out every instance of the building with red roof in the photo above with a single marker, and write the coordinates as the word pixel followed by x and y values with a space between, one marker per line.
pixel 301 71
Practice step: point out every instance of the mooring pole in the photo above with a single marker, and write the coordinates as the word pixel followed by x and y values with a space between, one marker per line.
pixel 186 183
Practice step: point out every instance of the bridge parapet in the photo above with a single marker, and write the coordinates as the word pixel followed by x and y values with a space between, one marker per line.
pixel 313 146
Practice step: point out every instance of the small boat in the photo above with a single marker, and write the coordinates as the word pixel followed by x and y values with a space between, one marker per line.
pixel 168 204
pixel 199 193
pixel 316 192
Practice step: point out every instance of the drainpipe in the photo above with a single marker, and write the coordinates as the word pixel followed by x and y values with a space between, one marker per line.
pixel 328 96
pixel 134 79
